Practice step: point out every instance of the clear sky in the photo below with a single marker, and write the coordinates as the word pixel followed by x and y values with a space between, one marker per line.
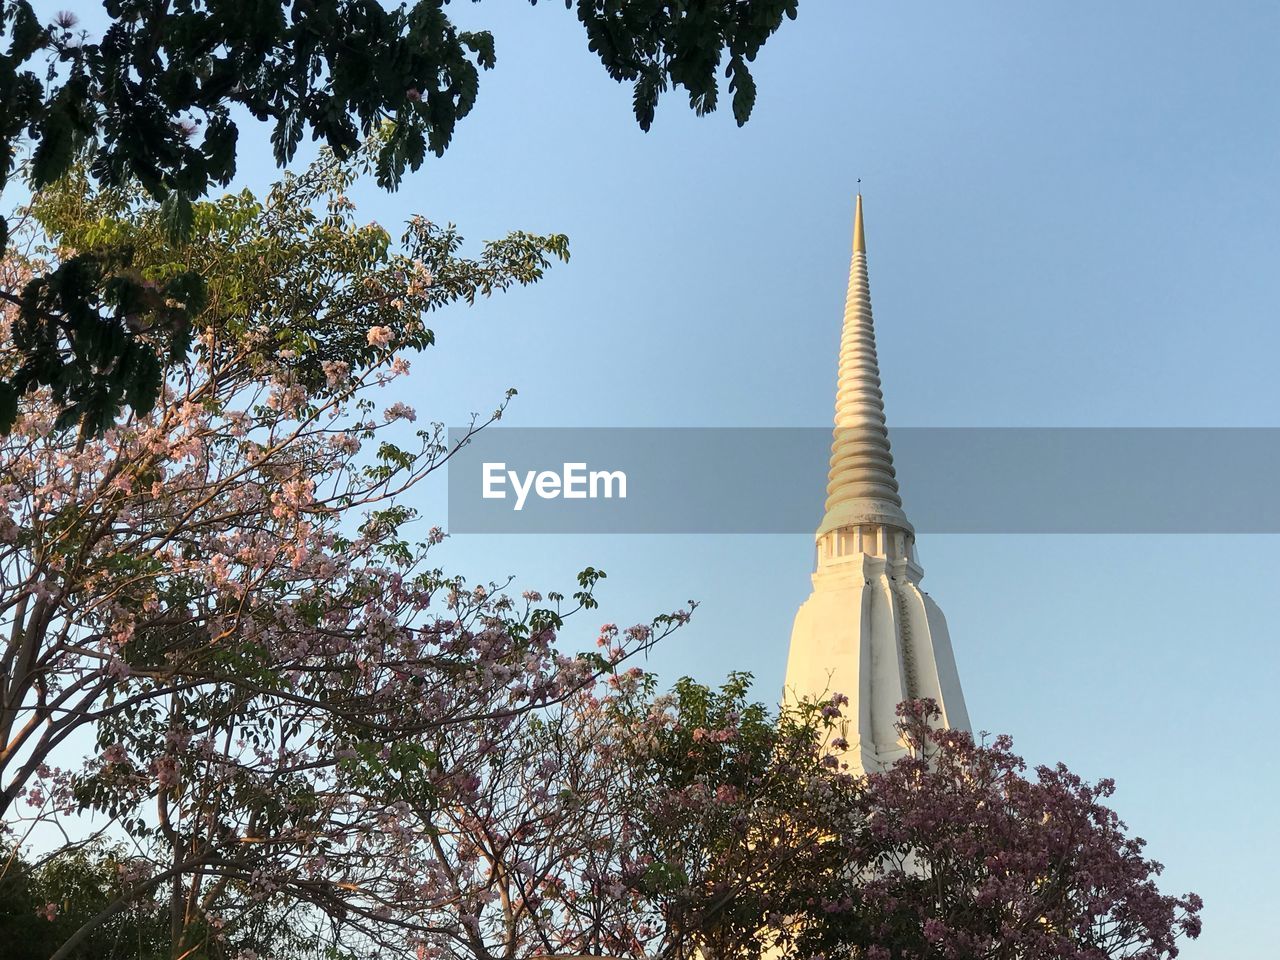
pixel 1073 219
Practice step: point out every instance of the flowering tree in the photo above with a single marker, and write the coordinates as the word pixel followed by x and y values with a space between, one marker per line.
pixel 955 852
pixel 697 823
pixel 530 843
pixel 221 599
pixel 634 825
pixel 728 803
pixel 750 835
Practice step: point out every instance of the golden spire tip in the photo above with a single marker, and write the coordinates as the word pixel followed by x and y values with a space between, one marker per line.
pixel 859 238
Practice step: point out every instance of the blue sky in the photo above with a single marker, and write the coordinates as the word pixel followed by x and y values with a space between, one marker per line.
pixel 1072 220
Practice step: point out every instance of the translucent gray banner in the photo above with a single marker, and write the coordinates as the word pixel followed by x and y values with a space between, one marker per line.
pixel 953 480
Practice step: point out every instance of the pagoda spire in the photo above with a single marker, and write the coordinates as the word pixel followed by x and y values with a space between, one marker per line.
pixel 862 487
pixel 867 630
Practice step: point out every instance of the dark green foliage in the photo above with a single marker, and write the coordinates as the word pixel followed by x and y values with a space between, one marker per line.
pixel 657 44
pixel 76 885
pixel 151 101
pixel 95 333
pixel 43 905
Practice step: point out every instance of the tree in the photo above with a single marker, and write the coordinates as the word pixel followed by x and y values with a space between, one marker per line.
pixel 224 597
pixel 700 824
pixel 42 904
pixel 727 804
pixel 155 102
pixel 633 825
pixel 530 846
pixel 955 852
pixel 44 901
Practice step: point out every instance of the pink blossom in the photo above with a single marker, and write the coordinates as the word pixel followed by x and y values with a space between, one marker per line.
pixel 114 754
pixel 400 411
pixel 380 336
pixel 335 371
pixel 165 770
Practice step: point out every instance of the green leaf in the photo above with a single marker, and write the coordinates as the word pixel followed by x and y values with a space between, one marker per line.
pixel 55 149
pixel 219 148
pixel 482 45
pixel 143 387
pixel 28 37
pixel 176 216
pixel 8 406
pixel 743 86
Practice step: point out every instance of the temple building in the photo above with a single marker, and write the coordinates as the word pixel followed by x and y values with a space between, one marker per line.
pixel 867 630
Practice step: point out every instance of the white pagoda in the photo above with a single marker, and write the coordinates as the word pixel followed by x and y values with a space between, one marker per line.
pixel 867 630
